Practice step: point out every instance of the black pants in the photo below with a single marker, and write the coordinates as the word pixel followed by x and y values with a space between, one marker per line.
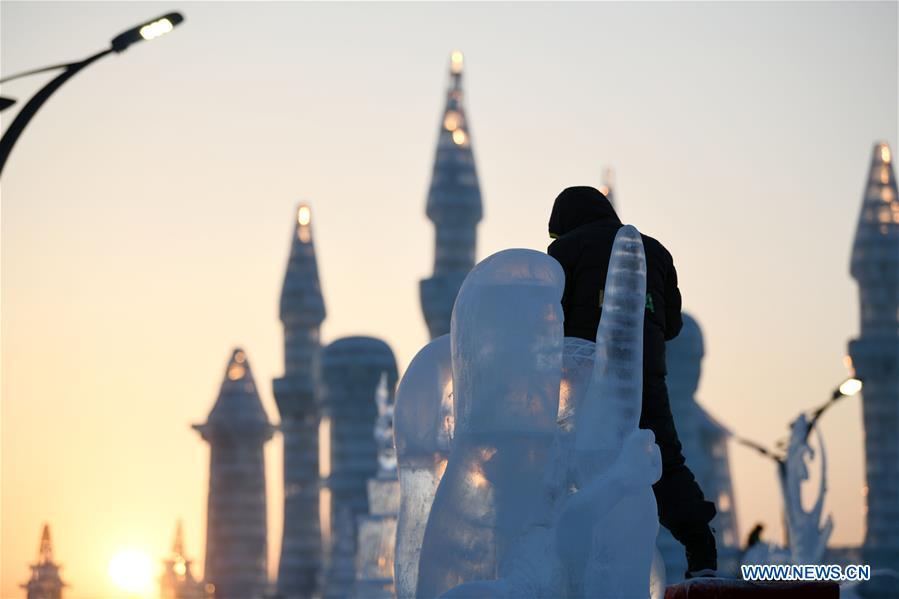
pixel 683 509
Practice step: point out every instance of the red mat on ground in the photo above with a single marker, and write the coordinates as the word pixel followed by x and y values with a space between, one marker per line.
pixel 722 588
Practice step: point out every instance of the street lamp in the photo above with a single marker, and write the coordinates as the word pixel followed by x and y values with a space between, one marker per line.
pixel 847 388
pixel 145 31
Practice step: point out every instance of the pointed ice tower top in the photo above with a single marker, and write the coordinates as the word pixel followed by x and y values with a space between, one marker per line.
pixel 238 409
pixel 454 193
pixel 875 253
pixel 178 544
pixel 877 235
pixel 301 298
pixel 45 553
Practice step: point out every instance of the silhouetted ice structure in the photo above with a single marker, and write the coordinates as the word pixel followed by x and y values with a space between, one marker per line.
pixel 547 490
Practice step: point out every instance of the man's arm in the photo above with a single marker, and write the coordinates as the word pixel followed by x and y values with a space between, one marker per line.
pixel 673 320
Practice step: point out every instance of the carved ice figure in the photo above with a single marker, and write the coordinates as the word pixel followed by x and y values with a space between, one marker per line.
pixel 376 530
pixel 506 342
pixel 807 538
pixel 528 509
pixel 620 543
pixel 807 541
pixel 423 429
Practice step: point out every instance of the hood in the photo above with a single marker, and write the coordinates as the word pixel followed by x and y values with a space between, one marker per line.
pixel 578 206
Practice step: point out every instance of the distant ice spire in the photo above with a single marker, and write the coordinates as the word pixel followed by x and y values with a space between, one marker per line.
pixel 178 544
pixel 302 310
pixel 608 184
pixel 45 554
pixel 177 580
pixel 45 582
pixel 454 206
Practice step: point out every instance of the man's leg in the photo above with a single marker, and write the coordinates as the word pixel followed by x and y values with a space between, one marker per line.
pixel 683 509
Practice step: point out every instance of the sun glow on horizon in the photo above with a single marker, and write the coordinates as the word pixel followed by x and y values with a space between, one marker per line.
pixel 131 570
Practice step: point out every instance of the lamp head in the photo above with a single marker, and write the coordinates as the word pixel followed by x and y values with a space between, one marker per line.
pixel 147 31
pixel 850 387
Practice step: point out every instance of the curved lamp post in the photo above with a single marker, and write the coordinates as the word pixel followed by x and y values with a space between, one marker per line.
pixel 847 388
pixel 145 31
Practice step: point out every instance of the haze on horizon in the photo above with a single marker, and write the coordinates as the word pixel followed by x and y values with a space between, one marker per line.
pixel 148 208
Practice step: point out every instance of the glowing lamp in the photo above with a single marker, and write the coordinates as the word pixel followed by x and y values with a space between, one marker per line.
pixel 304 215
pixel 850 387
pixel 459 137
pixel 456 61
pixel 885 153
pixel 147 31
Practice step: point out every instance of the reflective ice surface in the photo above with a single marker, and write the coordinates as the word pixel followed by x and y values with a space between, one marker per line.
pixel 547 491
pixel 506 355
pixel 423 425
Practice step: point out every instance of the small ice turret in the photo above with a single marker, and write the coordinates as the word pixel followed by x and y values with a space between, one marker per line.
pixel 45 582
pixel 177 581
pixel 352 368
pixel 454 206
pixel 236 530
pixel 302 310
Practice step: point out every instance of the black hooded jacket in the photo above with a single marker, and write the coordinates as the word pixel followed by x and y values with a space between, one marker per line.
pixel 584 225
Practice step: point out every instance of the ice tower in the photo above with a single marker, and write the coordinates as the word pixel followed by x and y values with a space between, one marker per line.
pixel 875 355
pixel 45 582
pixel 302 311
pixel 704 446
pixel 454 206
pixel 236 535
pixel 351 370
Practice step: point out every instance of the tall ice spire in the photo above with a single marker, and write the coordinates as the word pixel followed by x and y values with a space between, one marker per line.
pixel 45 582
pixel 454 206
pixel 875 355
pixel 236 529
pixel 302 311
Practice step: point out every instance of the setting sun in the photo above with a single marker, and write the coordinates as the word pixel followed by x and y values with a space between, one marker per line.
pixel 132 571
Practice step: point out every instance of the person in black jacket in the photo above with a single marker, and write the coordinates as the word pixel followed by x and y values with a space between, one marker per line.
pixel 583 224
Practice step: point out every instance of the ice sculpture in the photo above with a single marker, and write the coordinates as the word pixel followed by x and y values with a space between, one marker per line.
pixel 506 344
pixel 547 491
pixel 608 444
pixel 423 429
pixel 376 534
pixel 807 538
pixel 807 541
